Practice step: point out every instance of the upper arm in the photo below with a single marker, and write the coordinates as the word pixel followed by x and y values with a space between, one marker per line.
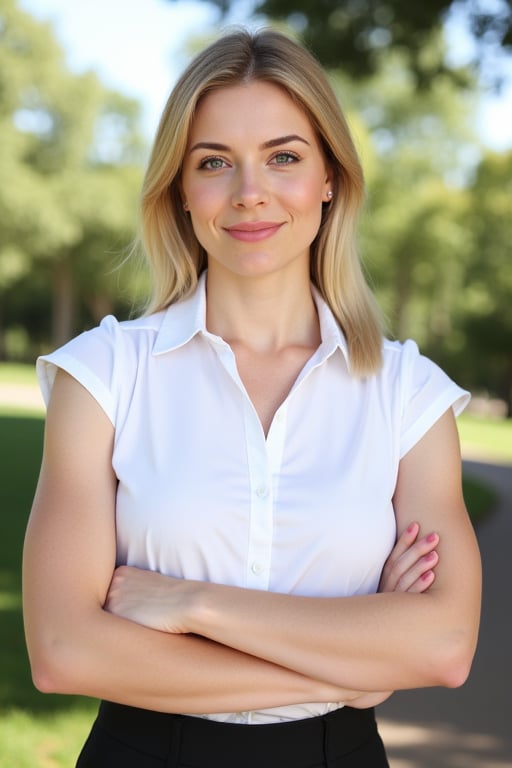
pixel 69 553
pixel 429 491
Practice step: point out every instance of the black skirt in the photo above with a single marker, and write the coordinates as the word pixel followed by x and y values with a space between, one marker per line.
pixel 127 737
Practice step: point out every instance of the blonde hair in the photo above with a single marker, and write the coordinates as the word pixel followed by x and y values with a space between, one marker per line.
pixel 174 254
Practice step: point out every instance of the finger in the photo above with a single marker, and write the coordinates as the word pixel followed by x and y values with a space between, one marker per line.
pixel 398 569
pixel 422 566
pixel 423 583
pixel 404 542
pixel 416 552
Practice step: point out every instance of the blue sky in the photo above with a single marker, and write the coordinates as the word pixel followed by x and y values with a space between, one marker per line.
pixel 135 46
pixel 139 47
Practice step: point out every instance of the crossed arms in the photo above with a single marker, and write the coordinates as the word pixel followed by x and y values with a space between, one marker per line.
pixel 147 640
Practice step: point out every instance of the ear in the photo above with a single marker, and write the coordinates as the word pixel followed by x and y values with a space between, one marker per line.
pixel 328 186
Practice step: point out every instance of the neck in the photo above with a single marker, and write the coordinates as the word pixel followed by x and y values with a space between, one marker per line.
pixel 265 315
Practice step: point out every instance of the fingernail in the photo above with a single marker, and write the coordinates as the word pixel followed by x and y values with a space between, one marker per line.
pixel 410 529
pixel 427 575
pixel 432 537
pixel 431 555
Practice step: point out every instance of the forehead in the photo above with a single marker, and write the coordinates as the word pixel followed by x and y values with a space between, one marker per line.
pixel 254 108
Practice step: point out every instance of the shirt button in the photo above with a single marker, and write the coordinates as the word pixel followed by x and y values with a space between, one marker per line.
pixel 257 568
pixel 262 491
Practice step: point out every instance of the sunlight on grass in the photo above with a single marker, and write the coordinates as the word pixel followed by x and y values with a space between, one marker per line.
pixel 17 373
pixel 48 741
pixel 489 438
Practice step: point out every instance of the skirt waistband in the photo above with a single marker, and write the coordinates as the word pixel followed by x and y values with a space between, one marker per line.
pixel 194 741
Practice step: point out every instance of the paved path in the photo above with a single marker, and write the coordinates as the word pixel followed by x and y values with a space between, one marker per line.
pixel 21 395
pixel 469 727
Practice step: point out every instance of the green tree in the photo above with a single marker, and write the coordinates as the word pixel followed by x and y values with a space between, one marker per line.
pixel 487 321
pixel 358 34
pixel 70 163
pixel 418 152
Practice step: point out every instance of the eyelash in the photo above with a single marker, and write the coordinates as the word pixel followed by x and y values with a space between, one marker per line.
pixel 289 155
pixel 292 157
pixel 203 165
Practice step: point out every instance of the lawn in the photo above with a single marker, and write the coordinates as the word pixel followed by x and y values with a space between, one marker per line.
pixel 14 373
pixel 46 731
pixel 491 438
pixel 36 731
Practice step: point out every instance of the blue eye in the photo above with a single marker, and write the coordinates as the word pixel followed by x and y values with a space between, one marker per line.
pixel 212 163
pixel 285 158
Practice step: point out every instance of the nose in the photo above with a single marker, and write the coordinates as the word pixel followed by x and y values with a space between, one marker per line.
pixel 250 189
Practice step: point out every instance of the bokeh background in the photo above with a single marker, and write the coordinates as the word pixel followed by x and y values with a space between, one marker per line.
pixel 427 88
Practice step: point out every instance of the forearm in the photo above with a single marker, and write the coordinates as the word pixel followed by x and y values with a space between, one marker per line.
pixel 374 642
pixel 384 641
pixel 107 657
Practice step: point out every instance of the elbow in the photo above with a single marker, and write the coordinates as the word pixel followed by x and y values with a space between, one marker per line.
pixel 44 680
pixel 51 671
pixel 452 664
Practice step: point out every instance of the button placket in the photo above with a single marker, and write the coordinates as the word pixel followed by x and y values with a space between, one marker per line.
pixel 262 504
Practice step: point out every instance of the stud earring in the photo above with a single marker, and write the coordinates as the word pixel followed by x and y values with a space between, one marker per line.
pixel 329 194
pixel 185 206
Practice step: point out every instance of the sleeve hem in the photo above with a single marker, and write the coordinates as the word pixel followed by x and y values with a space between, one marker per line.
pixel 454 397
pixel 47 368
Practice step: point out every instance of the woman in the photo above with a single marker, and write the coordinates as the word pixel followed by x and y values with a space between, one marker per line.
pixel 227 479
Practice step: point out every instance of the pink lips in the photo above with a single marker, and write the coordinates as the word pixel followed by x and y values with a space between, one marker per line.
pixel 253 231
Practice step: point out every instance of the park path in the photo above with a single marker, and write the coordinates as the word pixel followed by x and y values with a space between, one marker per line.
pixel 21 395
pixel 470 727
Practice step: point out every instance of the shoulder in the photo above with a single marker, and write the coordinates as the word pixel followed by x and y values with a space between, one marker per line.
pixel 135 331
pixel 419 388
pixel 405 365
pixel 114 337
pixel 102 358
pixel 398 354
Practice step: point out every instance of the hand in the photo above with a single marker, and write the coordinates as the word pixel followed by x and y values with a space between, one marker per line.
pixel 151 599
pixel 410 566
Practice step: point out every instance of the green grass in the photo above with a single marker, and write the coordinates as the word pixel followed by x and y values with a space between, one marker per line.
pixel 489 438
pixel 47 731
pixel 37 731
pixel 17 373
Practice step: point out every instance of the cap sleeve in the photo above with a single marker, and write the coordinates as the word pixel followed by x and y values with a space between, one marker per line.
pixel 93 359
pixel 427 393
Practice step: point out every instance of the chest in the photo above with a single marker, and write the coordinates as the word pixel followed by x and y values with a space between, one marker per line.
pixel 305 508
pixel 268 378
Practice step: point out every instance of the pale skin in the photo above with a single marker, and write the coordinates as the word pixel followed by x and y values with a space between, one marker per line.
pixel 152 641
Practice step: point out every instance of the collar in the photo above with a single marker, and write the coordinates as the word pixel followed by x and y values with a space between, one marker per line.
pixel 183 320
pixel 187 318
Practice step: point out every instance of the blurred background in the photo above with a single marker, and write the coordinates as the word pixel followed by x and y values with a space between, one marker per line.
pixel 428 91
pixel 427 88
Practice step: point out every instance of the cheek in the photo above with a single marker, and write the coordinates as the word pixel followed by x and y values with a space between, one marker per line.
pixel 306 198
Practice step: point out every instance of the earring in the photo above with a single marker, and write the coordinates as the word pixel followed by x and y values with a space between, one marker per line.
pixel 185 206
pixel 329 194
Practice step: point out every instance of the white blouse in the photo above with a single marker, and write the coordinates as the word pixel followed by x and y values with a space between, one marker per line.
pixel 203 494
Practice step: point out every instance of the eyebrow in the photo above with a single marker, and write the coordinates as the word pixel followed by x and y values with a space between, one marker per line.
pixel 266 145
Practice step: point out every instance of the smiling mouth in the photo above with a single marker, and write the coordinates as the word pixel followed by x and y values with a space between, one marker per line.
pixel 253 232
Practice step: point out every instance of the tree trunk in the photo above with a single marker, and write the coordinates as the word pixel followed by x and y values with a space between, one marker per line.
pixel 63 303
pixel 3 345
pixel 402 297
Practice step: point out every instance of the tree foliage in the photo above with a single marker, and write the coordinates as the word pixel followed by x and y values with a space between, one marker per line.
pixel 70 162
pixel 357 34
pixel 435 235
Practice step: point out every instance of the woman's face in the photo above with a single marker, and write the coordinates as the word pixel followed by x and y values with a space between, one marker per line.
pixel 254 180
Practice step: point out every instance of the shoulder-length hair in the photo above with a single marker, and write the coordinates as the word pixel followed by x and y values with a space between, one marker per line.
pixel 175 256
